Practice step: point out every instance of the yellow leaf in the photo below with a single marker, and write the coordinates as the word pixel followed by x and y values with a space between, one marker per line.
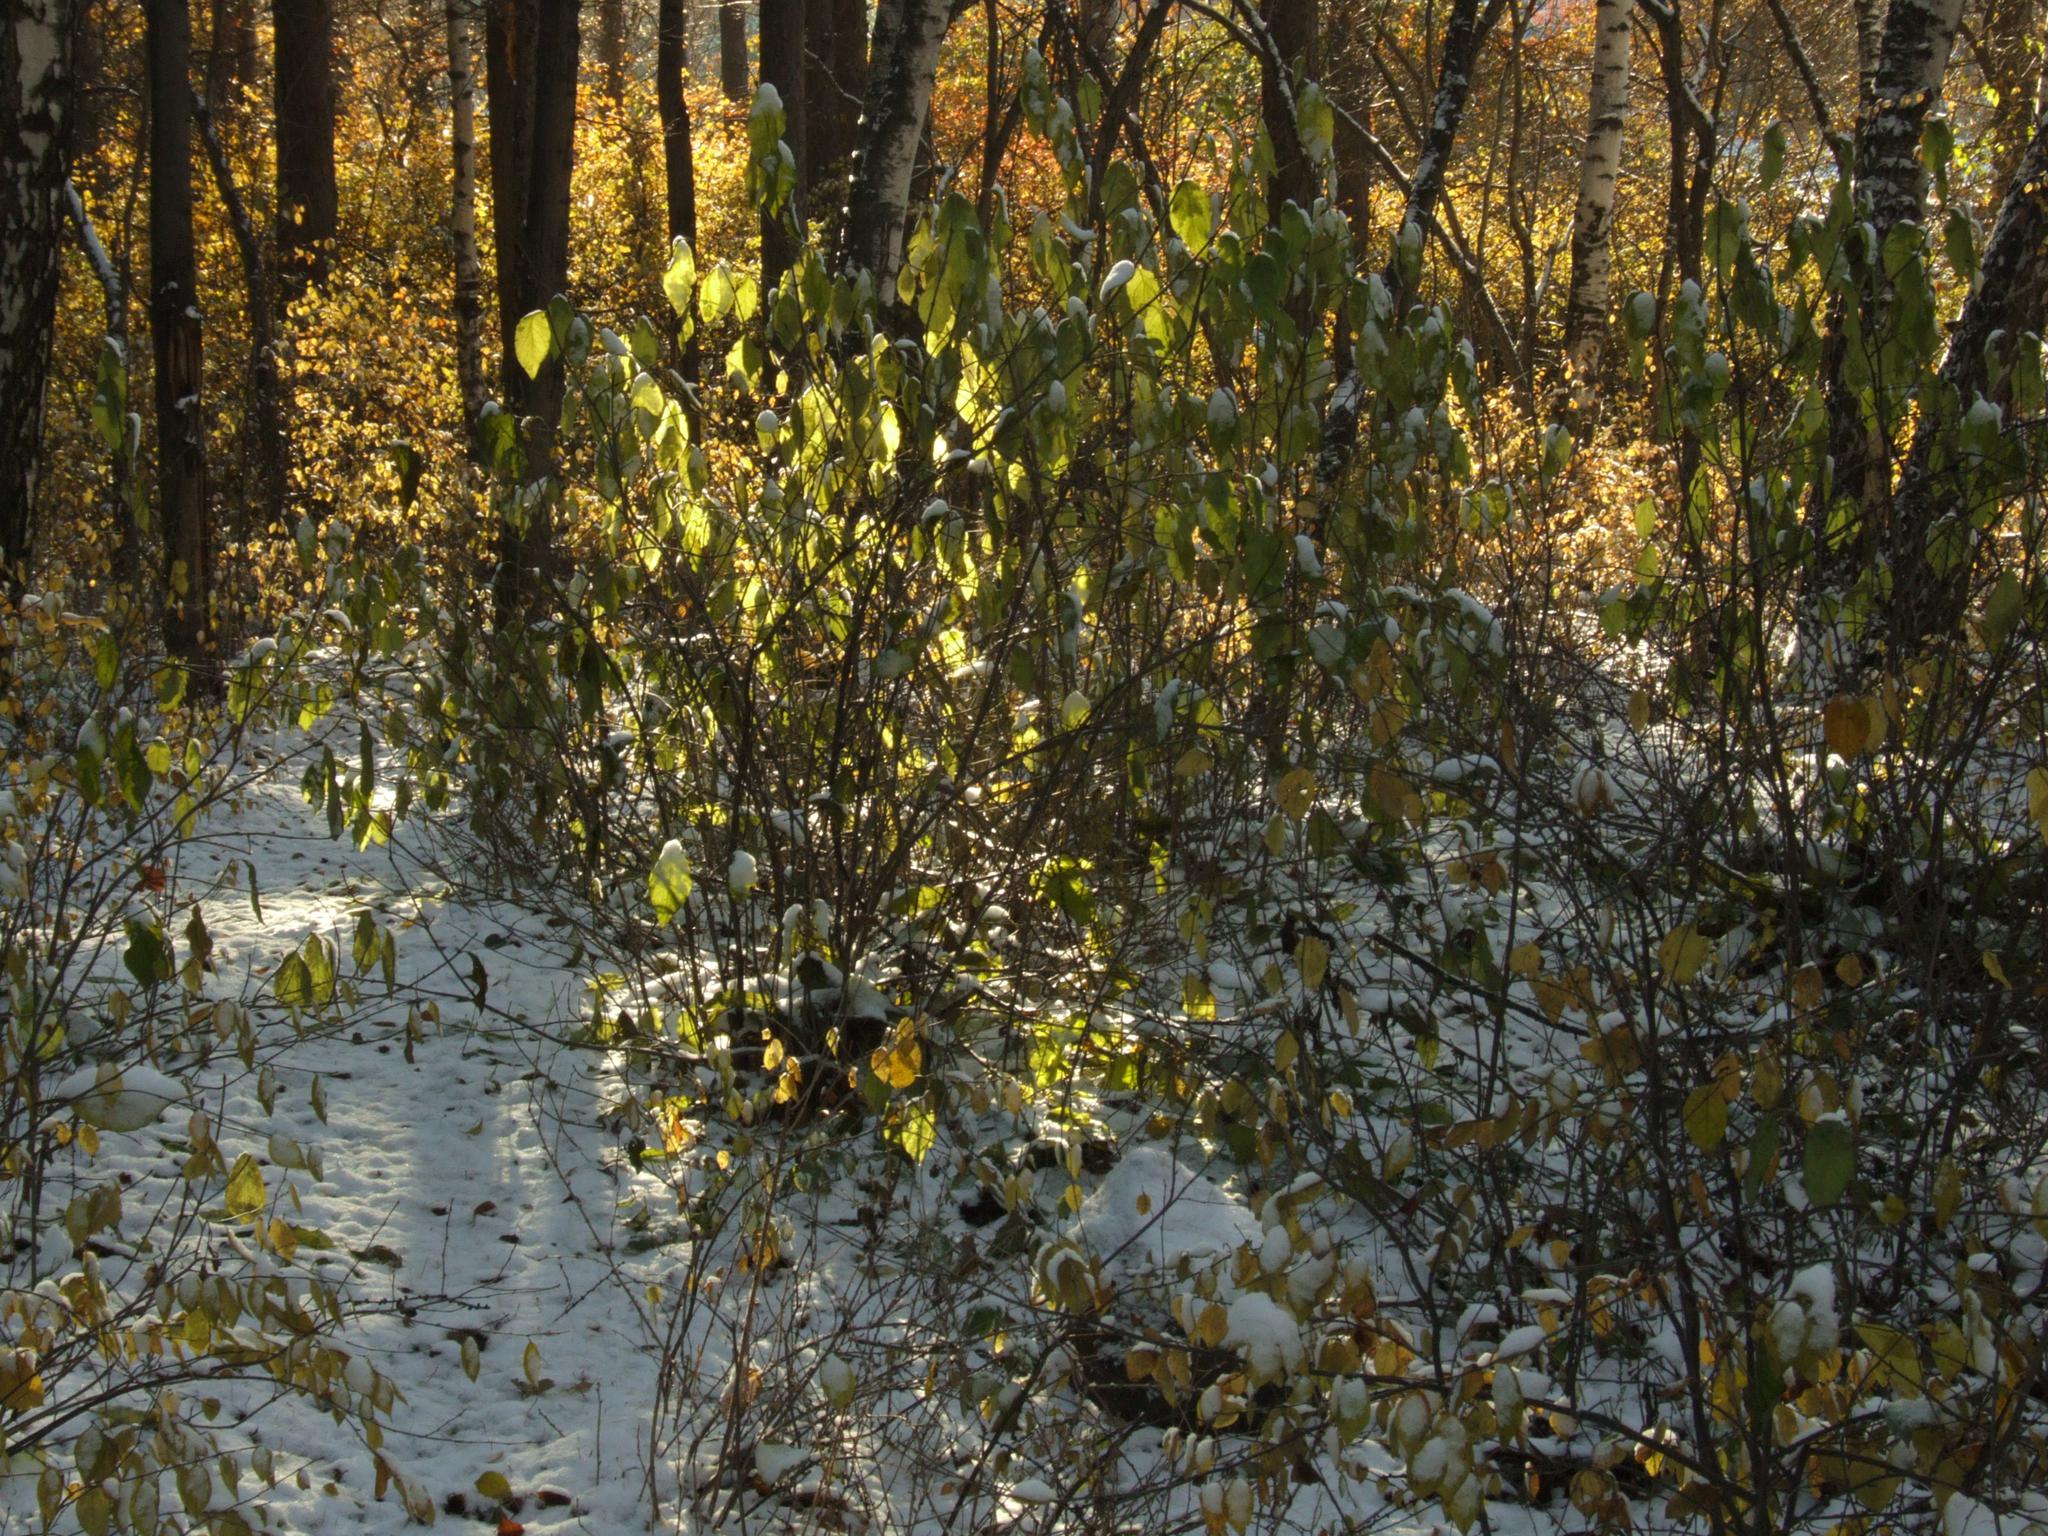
pixel 1948 1192
pixel 2037 800
pixel 1846 724
pixel 1193 763
pixel 493 1486
pixel 1808 988
pixel 898 1062
pixel 1525 960
pixel 1849 970
pixel 1896 1355
pixel 1295 792
pixel 1682 953
pixel 1312 959
pixel 1995 969
pixel 1276 836
pixel 245 1187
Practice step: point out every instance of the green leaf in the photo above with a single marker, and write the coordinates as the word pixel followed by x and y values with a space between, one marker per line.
pixel 533 342
pixel 916 1131
pixel 668 883
pixel 148 956
pixel 1192 218
pixel 1773 165
pixel 1315 121
pixel 294 984
pixel 680 280
pixel 1706 1116
pixel 1830 1161
pixel 245 1188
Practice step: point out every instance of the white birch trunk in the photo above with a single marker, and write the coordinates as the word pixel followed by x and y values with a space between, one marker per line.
pixel 1593 224
pixel 36 38
pixel 1891 182
pixel 469 271
pixel 902 66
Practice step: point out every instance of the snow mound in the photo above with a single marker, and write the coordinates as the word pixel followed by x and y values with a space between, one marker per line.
pixel 1152 1211
pixel 111 1098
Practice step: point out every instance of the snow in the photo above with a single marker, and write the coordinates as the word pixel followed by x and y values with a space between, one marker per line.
pixel 1814 1287
pixel 1521 1341
pixel 119 1099
pixel 1268 1336
pixel 1151 1212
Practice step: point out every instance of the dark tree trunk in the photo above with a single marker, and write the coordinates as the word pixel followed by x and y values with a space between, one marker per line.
pixel 818 149
pixel 1890 190
pixel 611 47
pixel 36 90
pixel 1297 42
pixel 307 203
pixel 732 49
pixel 903 63
pixel 175 334
pixel 849 86
pixel 678 159
pixel 782 66
pixel 234 58
pixel 532 48
pixel 1931 557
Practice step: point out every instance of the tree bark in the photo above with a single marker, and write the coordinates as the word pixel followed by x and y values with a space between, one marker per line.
pixel 175 334
pixel 849 75
pixel 782 66
pixel 469 269
pixel 1890 190
pixel 1586 306
pixel 732 49
pixel 532 47
pixel 308 210
pixel 903 63
pixel 36 92
pixel 1891 181
pixel 2010 296
pixel 1297 42
pixel 1869 50
pixel 678 160
pixel 611 47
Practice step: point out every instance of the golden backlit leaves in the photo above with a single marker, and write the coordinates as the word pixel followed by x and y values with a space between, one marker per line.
pixel 898 1060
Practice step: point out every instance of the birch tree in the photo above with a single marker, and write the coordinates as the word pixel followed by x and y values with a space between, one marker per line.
pixel 1933 540
pixel 903 62
pixel 1890 190
pixel 36 41
pixel 1586 304
pixel 469 268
